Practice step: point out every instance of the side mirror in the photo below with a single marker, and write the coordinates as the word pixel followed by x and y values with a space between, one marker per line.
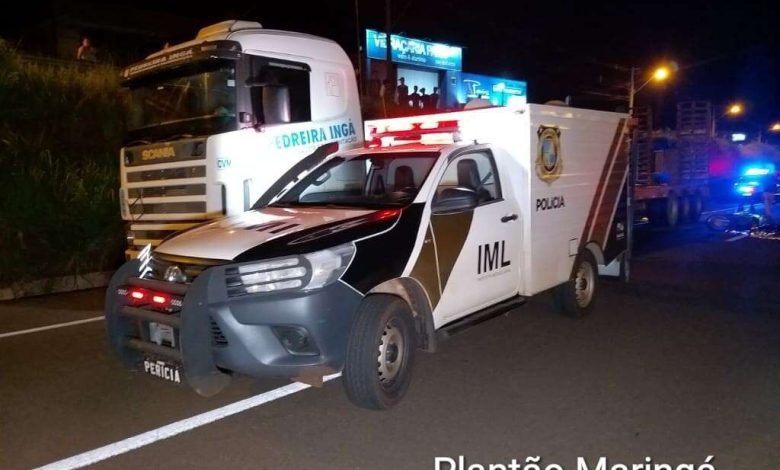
pixel 455 200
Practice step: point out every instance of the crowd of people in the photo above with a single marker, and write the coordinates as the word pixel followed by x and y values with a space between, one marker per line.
pixel 398 100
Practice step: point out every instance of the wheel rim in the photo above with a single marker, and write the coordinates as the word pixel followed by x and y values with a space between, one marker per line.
pixel 391 353
pixel 672 210
pixel 584 283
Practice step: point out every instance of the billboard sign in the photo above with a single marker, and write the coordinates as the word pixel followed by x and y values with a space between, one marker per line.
pixel 413 51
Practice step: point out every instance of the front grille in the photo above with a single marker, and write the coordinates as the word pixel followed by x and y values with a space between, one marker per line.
pixel 218 339
pixel 159 264
pixel 169 208
pixel 167 191
pixel 167 174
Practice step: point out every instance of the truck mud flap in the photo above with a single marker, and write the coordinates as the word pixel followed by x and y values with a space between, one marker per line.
pixel 125 325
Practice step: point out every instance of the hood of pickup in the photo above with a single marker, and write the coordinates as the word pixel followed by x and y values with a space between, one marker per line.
pixel 272 231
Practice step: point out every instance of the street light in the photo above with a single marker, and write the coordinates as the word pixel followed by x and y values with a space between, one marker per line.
pixel 775 127
pixel 734 110
pixel 660 74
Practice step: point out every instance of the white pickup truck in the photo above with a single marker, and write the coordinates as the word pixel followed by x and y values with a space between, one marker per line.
pixel 371 254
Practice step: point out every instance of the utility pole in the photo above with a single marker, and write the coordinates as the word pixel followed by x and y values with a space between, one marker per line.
pixel 389 70
pixel 632 91
pixel 361 79
pixel 632 170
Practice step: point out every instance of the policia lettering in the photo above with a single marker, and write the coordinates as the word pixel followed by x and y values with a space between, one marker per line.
pixel 492 256
pixel 547 203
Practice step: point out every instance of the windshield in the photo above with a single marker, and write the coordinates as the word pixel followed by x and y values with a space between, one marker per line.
pixel 196 99
pixel 369 180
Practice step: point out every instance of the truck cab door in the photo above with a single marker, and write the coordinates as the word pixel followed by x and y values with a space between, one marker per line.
pixel 477 249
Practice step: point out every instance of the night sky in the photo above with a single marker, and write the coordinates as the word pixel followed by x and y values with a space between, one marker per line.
pixel 561 48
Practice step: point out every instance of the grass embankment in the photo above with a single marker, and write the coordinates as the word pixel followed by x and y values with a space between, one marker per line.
pixel 60 131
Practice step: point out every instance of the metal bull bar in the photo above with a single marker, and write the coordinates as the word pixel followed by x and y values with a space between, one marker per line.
pixel 193 349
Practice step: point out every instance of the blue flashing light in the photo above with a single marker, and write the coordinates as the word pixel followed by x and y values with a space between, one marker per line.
pixel 756 171
pixel 746 189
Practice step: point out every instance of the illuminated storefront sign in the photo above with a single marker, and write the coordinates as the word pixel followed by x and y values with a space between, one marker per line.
pixel 414 51
pixel 499 91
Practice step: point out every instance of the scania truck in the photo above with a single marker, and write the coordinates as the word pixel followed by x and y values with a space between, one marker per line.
pixel 441 222
pixel 213 122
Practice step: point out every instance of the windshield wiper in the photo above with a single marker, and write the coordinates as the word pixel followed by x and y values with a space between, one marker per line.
pixel 176 137
pixel 188 119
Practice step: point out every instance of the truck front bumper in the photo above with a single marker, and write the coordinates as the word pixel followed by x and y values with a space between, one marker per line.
pixel 300 335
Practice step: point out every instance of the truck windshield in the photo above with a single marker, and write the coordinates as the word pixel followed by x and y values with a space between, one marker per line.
pixel 195 99
pixel 369 180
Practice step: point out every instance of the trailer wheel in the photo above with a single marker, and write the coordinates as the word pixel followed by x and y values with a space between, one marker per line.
pixel 576 296
pixel 380 353
pixel 697 207
pixel 671 210
pixel 684 208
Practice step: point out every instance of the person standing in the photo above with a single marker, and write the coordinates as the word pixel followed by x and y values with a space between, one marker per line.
pixel 434 98
pixel 768 193
pixel 414 98
pixel 374 85
pixel 85 51
pixel 402 93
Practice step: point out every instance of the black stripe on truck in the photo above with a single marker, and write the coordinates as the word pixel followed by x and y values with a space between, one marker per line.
pixel 167 191
pixel 167 174
pixel 169 208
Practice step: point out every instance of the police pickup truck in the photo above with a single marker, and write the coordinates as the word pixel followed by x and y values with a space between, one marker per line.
pixel 355 260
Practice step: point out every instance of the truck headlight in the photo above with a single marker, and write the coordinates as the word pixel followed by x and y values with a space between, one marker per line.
pixel 304 272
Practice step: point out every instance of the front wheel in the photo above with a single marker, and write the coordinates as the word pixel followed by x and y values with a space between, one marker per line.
pixel 380 353
pixel 576 297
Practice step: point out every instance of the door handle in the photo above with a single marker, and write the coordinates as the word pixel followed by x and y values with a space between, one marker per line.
pixel 508 218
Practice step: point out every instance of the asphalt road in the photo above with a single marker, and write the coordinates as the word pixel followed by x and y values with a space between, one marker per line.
pixel 680 364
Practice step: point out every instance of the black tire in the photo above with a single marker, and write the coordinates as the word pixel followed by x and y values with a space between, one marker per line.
pixel 655 211
pixel 671 210
pixel 567 296
pixel 381 321
pixel 696 202
pixel 684 208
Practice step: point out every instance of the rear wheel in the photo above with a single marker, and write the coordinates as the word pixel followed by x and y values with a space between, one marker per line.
pixel 380 353
pixel 684 208
pixel 576 297
pixel 697 207
pixel 671 210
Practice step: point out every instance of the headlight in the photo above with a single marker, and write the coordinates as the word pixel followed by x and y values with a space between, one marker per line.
pixel 304 272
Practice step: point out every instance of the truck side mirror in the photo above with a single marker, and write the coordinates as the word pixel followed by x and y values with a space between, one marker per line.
pixel 455 200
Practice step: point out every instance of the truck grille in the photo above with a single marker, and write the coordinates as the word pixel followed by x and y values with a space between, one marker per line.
pixel 167 174
pixel 169 208
pixel 167 191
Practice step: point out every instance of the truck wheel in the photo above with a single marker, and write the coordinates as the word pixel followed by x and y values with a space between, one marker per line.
pixel 671 210
pixel 684 208
pixel 576 296
pixel 697 207
pixel 380 352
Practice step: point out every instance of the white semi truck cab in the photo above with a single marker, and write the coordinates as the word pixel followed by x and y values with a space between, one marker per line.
pixel 213 122
pixel 442 222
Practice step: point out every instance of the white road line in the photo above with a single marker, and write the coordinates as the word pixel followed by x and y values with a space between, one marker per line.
pixel 170 430
pixel 738 237
pixel 50 327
